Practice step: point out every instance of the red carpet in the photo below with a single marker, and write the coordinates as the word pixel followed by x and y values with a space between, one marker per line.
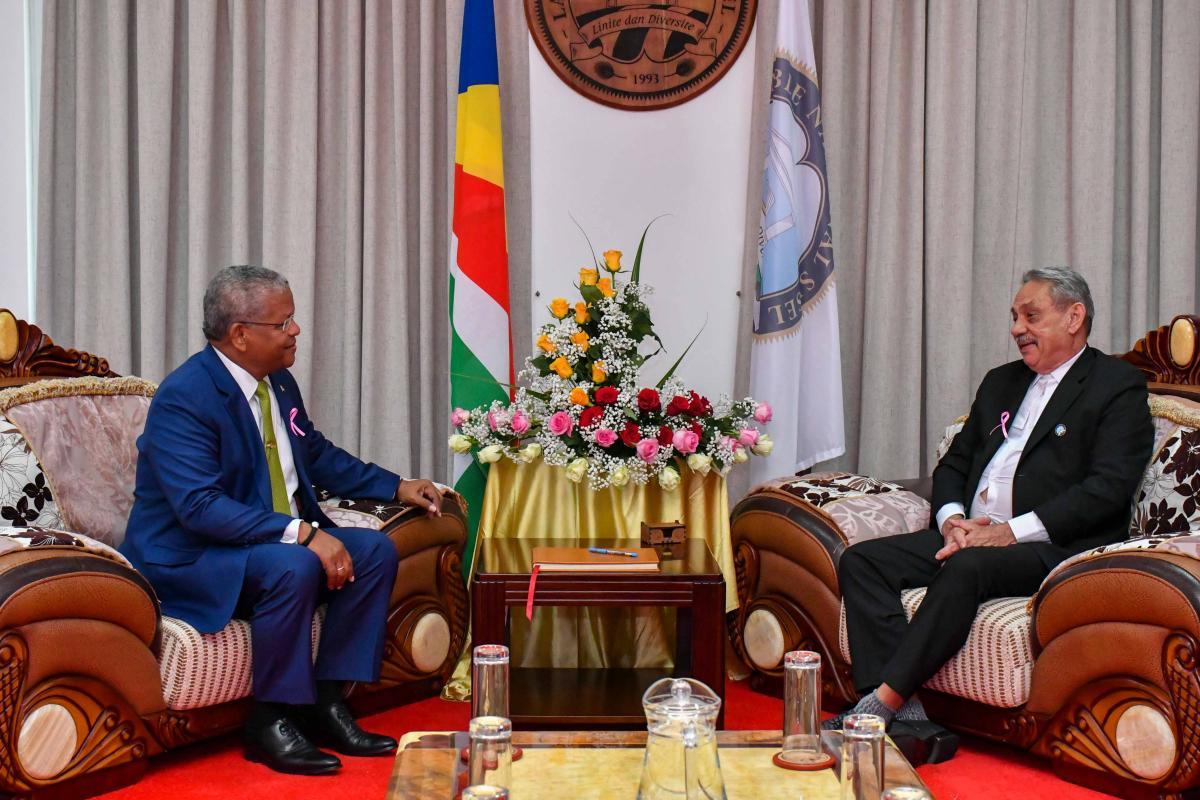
pixel 217 771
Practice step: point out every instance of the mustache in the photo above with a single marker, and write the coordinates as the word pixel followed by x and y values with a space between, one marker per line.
pixel 1024 340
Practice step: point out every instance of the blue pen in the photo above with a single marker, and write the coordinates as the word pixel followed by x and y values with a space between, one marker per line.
pixel 604 551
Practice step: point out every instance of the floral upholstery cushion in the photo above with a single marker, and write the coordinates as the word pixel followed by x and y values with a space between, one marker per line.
pixel 25 496
pixel 359 513
pixel 995 666
pixel 861 507
pixel 1167 499
pixel 204 669
pixel 84 433
pixel 19 538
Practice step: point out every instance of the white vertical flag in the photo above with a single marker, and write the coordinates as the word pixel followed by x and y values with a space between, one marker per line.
pixel 795 359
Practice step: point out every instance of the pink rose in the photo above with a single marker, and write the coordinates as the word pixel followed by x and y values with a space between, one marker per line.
pixel 497 419
pixel 560 423
pixel 605 437
pixel 763 413
pixel 647 450
pixel 686 441
pixel 729 441
pixel 520 422
pixel 458 416
pixel 748 437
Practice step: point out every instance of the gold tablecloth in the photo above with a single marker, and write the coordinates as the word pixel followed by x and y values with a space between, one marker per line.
pixel 537 501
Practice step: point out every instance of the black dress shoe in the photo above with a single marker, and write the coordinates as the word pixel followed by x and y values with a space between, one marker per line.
pixel 283 748
pixel 334 727
pixel 923 742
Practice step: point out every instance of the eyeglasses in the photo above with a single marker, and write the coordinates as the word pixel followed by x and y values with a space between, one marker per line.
pixel 282 327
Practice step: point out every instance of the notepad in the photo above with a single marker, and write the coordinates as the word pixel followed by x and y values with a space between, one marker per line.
pixel 579 559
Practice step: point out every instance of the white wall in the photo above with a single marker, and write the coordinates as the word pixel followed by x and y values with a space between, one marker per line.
pixel 14 123
pixel 614 171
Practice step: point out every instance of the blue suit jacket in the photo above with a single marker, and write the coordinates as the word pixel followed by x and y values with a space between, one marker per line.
pixel 203 494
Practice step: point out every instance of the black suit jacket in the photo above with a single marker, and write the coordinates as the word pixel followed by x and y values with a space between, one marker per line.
pixel 1079 483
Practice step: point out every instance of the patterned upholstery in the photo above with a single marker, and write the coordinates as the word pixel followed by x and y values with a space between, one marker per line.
pixel 863 508
pixel 996 663
pixel 204 669
pixel 25 497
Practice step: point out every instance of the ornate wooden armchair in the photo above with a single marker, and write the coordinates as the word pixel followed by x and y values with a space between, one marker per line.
pixel 1096 672
pixel 93 679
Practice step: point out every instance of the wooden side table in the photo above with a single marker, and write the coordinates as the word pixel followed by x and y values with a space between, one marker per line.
pixel 691 581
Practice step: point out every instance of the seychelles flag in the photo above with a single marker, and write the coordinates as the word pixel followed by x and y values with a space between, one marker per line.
pixel 481 339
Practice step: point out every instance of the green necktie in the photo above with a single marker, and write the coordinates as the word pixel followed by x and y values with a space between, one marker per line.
pixel 279 495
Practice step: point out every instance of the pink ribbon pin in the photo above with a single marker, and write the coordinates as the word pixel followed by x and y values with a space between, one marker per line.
pixel 296 428
pixel 1002 426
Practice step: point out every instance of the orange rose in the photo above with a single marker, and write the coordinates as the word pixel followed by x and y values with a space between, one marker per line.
pixel 598 373
pixel 588 277
pixel 559 307
pixel 580 339
pixel 579 396
pixel 581 313
pixel 612 261
pixel 545 343
pixel 605 286
pixel 562 367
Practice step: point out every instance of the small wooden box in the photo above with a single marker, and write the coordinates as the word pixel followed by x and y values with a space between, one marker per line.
pixel 660 534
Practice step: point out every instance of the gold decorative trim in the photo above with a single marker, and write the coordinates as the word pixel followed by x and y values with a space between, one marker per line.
pixel 1170 408
pixel 74 387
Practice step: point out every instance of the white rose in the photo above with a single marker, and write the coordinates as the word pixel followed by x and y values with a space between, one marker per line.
pixel 763 446
pixel 577 469
pixel 740 456
pixel 619 476
pixel 699 463
pixel 530 452
pixel 459 443
pixel 668 478
pixel 490 454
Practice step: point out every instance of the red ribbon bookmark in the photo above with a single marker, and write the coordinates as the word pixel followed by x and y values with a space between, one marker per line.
pixel 529 598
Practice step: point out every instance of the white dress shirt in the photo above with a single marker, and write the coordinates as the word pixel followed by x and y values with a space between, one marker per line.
pixel 993 495
pixel 249 385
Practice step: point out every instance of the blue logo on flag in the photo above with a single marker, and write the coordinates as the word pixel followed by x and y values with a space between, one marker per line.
pixel 795 241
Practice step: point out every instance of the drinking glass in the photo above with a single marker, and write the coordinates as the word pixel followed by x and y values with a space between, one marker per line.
pixel 905 793
pixel 862 757
pixel 484 792
pixel 489 681
pixel 489 762
pixel 801 713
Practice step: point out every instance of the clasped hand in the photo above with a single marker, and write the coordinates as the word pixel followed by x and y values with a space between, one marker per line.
pixel 961 533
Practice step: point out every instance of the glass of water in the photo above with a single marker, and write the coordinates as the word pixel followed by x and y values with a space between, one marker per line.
pixel 862 757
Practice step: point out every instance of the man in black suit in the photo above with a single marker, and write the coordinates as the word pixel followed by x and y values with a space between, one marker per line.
pixel 1046 464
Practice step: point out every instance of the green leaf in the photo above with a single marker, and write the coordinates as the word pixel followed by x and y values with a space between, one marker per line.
pixel 591 249
pixel 674 366
pixel 591 294
pixel 637 259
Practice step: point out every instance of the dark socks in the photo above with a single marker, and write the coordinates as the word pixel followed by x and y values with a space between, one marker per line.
pixel 264 714
pixel 330 692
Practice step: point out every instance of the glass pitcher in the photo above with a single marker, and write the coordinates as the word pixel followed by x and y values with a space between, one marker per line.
pixel 681 744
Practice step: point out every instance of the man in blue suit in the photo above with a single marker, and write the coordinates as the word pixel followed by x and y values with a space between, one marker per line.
pixel 225 523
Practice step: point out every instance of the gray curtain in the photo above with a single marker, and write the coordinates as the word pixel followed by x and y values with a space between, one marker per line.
pixel 314 138
pixel 970 141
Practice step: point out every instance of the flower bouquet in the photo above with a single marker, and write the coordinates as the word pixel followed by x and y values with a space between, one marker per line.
pixel 579 405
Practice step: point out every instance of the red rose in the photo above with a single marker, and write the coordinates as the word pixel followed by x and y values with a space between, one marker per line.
pixel 648 400
pixel 698 406
pixel 665 435
pixel 695 426
pixel 607 395
pixel 589 416
pixel 631 435
pixel 678 405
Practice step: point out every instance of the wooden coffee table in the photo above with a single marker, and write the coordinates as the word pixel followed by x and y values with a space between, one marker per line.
pixel 690 580
pixel 606 765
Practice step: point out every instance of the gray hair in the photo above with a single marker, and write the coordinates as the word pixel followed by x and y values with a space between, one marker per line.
pixel 1067 287
pixel 235 294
